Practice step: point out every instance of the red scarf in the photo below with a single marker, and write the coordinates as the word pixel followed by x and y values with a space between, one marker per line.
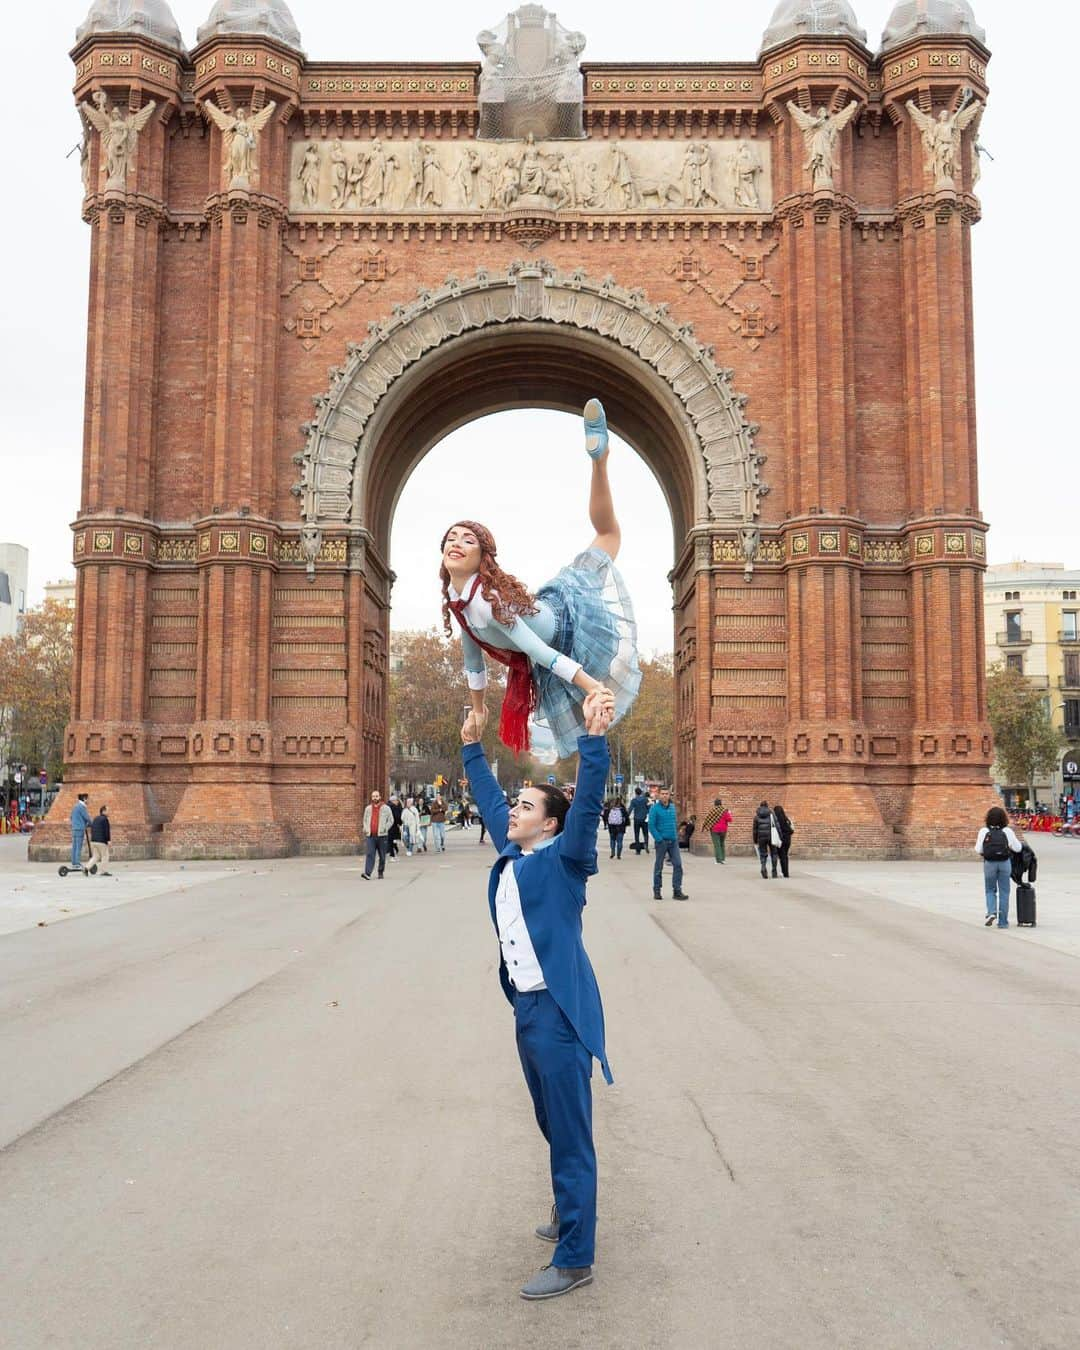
pixel 520 697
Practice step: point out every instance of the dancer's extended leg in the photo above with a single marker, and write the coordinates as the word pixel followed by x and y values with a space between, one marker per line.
pixel 601 507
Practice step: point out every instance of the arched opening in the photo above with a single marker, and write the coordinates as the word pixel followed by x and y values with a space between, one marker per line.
pixel 525 474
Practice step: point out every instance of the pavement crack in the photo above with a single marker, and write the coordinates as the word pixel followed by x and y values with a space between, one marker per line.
pixel 712 1135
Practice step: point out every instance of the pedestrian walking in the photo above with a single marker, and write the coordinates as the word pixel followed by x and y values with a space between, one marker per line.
pixel 717 823
pixel 80 830
pixel 378 821
pixel 996 843
pixel 410 826
pixel 639 814
pixel 394 833
pixel 686 832
pixel 662 827
pixel 438 824
pixel 785 829
pixel 766 838
pixel 425 823
pixel 536 894
pixel 483 826
pixel 100 837
pixel 616 826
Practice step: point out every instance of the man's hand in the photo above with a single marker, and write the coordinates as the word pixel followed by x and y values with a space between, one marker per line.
pixel 597 709
pixel 469 732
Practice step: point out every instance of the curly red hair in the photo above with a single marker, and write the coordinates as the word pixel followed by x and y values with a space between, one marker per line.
pixel 507 596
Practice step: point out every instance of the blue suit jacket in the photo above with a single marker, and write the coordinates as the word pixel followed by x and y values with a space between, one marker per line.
pixel 551 884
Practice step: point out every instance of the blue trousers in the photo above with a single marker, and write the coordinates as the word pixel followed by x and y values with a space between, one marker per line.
pixel 667 848
pixel 78 838
pixel 558 1071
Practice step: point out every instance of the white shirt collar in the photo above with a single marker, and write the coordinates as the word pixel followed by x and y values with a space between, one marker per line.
pixel 454 593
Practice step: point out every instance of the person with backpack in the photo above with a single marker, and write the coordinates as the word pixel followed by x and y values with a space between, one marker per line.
pixel 639 813
pixel 616 825
pixel 762 831
pixel 996 844
pixel 716 823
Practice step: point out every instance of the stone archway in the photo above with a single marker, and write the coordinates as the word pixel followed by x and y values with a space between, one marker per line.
pixel 696 438
pixel 528 336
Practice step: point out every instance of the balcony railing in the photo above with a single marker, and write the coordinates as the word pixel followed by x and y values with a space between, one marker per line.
pixel 1020 637
pixel 1068 637
pixel 1039 681
pixel 1064 682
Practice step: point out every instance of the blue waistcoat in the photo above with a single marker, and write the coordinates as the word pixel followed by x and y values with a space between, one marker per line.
pixel 551 885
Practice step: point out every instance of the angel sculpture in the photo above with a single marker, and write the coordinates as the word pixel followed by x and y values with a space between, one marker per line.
pixel 242 138
pixel 821 131
pixel 119 133
pixel 941 140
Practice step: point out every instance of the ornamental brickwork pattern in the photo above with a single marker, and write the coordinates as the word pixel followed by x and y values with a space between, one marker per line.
pixel 763 270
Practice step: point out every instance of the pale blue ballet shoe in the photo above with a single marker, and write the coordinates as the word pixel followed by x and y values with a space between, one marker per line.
pixel 596 432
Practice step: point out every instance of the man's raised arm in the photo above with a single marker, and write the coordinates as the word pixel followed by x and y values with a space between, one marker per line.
pixel 490 798
pixel 579 832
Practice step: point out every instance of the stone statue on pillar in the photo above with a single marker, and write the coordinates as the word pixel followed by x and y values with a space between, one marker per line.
pixel 119 133
pixel 941 140
pixel 821 132
pixel 241 135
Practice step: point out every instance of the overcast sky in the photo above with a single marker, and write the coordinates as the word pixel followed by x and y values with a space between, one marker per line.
pixel 1024 266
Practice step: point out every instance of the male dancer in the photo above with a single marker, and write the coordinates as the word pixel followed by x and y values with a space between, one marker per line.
pixel 547 851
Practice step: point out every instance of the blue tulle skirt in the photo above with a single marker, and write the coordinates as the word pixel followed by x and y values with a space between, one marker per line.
pixel 594 626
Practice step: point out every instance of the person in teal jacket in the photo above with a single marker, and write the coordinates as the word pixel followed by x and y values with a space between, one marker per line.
pixel 536 892
pixel 663 826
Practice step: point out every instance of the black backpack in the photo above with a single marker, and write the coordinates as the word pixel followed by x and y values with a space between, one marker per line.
pixel 995 846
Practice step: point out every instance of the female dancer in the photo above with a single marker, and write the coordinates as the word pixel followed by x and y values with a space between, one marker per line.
pixel 575 637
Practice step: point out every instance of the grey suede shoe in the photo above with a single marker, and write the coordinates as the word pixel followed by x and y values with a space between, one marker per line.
pixel 555 1280
pixel 550 1231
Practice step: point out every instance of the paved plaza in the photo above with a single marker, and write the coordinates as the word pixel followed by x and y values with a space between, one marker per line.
pixel 268 1105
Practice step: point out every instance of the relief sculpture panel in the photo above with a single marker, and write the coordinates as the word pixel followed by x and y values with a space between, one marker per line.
pixel 415 175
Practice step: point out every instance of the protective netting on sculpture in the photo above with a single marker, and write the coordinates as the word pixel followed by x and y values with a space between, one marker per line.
pixel 144 18
pixel 531 78
pixel 914 18
pixel 268 18
pixel 807 18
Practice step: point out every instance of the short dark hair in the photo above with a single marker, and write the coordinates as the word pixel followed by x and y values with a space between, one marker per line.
pixel 996 819
pixel 637 792
pixel 100 810
pixel 84 796
pixel 717 802
pixel 765 804
pixel 556 803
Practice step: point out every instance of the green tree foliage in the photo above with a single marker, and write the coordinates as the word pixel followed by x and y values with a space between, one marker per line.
pixel 428 695
pixel 649 727
pixel 1026 743
pixel 35 688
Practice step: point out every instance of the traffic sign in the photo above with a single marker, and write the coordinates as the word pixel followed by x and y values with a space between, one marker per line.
pixel 551 779
pixel 619 778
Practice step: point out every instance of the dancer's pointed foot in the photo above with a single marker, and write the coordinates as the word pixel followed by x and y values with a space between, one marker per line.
pixel 596 432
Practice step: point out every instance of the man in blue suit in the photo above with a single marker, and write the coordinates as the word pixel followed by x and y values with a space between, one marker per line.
pixel 547 852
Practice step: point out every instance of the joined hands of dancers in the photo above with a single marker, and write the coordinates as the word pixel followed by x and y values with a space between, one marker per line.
pixel 596 710
pixel 574 640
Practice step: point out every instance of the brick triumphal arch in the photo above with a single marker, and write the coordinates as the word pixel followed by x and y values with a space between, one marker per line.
pixel 304 274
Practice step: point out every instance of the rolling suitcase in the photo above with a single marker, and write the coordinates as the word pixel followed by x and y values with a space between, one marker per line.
pixel 1025 906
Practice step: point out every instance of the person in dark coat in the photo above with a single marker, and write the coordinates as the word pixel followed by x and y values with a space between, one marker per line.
pixel 761 833
pixel 784 825
pixel 394 834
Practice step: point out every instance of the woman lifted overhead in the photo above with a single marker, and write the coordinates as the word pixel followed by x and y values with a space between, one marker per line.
pixel 576 636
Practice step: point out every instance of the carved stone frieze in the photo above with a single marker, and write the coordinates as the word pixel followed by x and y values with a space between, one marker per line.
pixel 536 292
pixel 361 176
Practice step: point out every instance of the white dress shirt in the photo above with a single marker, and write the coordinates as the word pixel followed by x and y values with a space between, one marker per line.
pixel 517 636
pixel 522 964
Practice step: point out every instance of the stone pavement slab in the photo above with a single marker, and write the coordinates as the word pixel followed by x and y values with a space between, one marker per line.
pixel 838 1120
